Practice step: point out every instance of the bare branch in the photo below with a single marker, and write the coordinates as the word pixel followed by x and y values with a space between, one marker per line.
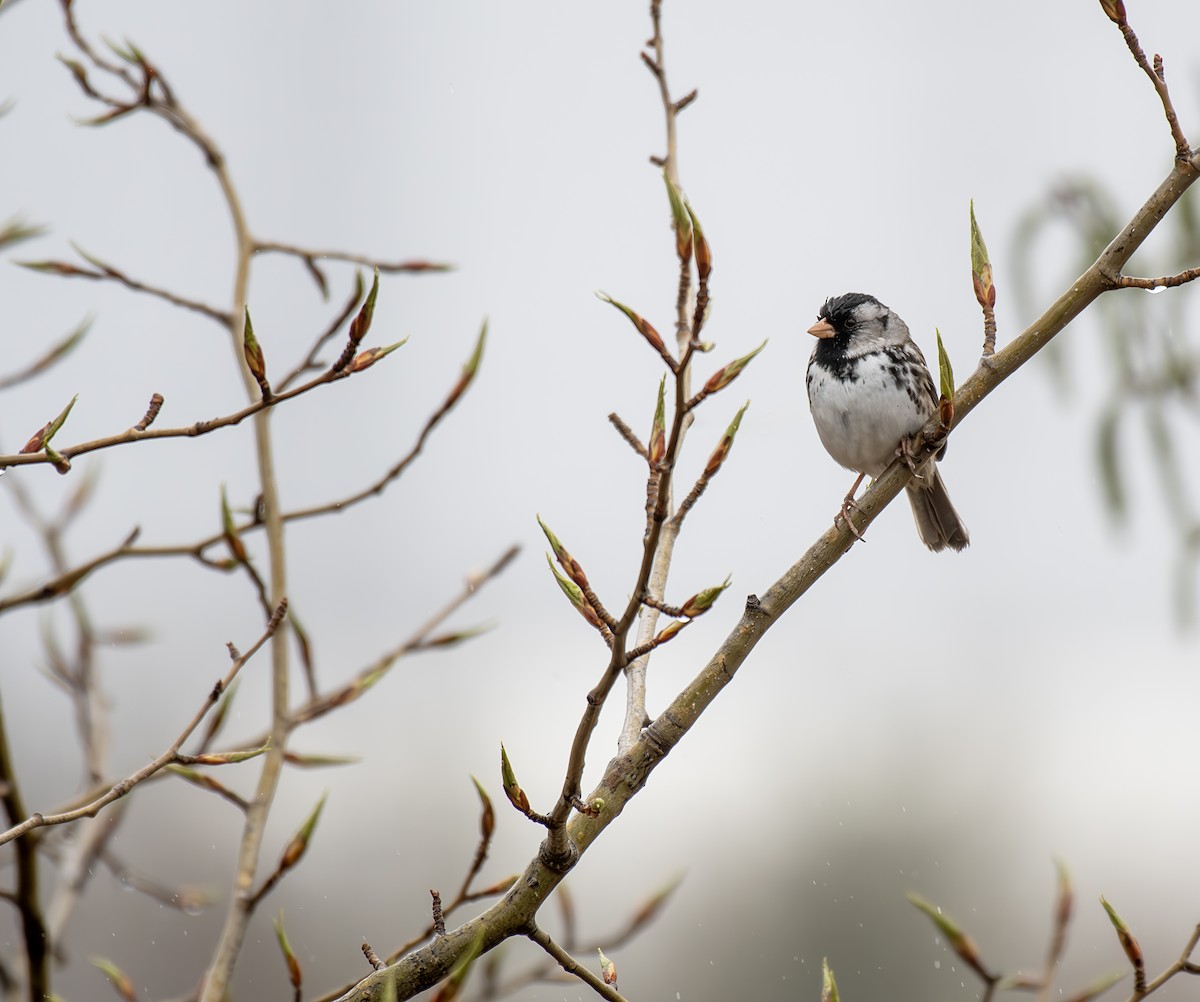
pixel 572 966
pixel 107 273
pixel 1116 11
pixel 627 433
pixel 310 360
pixel 387 267
pixel 93 808
pixel 1153 284
pixel 138 433
pixel 55 353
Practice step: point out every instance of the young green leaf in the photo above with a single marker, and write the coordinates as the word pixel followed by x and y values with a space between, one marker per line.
pixel 658 432
pixel 487 815
pixel 945 369
pixel 700 247
pixel 721 452
pixel 362 321
pixel 829 989
pixel 1128 941
pixel 293 964
pixel 298 844
pixel 644 327
pixel 681 221
pixel 959 941
pixel 728 373
pixel 512 789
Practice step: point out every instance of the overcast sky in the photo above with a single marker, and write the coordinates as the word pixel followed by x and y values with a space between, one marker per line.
pixel 946 724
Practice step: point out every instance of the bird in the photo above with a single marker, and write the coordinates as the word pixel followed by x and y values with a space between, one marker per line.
pixel 870 391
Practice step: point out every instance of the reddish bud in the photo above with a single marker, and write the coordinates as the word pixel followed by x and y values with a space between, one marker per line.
pixel 644 327
pixel 487 815
pixel 728 373
pixel 362 322
pixel 298 845
pixel 700 248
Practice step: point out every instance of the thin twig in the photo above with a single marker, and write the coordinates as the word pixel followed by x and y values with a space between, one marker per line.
pixel 627 433
pixel 572 966
pixel 139 434
pixel 1158 78
pixel 48 358
pixel 1166 282
pixel 310 360
pixel 185 899
pixel 387 267
pixel 381 484
pixel 107 273
pixel 93 808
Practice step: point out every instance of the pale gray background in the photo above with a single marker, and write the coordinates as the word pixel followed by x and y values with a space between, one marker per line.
pixel 945 724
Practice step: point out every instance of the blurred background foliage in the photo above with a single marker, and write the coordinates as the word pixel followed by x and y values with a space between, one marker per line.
pixel 1150 390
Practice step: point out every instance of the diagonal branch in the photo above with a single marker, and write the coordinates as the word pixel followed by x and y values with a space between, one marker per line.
pixel 91 809
pixel 107 273
pixel 571 965
pixel 627 773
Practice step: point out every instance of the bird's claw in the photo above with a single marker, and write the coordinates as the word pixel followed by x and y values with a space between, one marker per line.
pixel 905 452
pixel 848 504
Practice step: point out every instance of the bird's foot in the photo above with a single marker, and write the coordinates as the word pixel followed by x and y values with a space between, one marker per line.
pixel 905 451
pixel 848 505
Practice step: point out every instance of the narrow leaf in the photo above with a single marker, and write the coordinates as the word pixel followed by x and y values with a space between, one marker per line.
pixel 945 369
pixel 658 432
pixel 117 978
pixel 230 757
pixel 233 541
pixel 1129 943
pixel 366 359
pixel 702 601
pixel 644 327
pixel 289 955
pixel 959 941
pixel 829 989
pixel 1098 987
pixel 681 221
pixel 298 845
pixel 487 814
pixel 721 452
pixel 981 265
pixel 362 322
pixel 700 247
pixel 728 373
pixel 512 789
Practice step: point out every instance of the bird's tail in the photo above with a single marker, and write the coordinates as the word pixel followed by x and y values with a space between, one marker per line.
pixel 937 522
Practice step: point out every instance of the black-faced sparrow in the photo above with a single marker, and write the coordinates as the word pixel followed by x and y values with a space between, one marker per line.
pixel 870 391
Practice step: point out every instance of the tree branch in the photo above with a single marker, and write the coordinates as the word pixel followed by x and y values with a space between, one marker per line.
pixel 91 809
pixel 571 965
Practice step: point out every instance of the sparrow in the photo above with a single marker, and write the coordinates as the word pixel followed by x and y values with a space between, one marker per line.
pixel 870 391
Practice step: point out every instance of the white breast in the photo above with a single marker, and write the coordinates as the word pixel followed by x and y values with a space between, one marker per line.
pixel 861 422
